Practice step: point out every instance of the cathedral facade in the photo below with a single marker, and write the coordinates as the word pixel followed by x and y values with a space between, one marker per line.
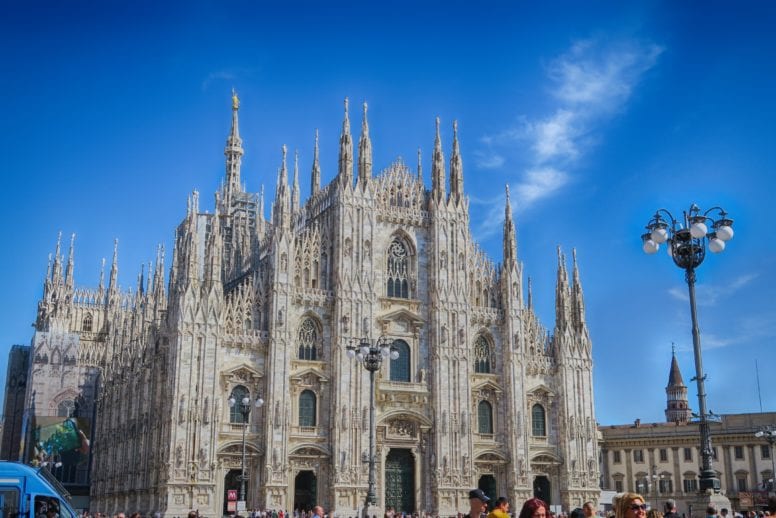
pixel 481 394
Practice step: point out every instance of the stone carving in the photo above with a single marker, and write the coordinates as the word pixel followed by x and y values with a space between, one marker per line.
pixel 402 428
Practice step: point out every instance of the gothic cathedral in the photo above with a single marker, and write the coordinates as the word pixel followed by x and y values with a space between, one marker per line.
pixel 261 310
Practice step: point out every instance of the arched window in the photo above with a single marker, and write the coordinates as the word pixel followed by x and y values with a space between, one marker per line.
pixel 86 325
pixel 238 393
pixel 308 340
pixel 485 417
pixel 398 270
pixel 66 408
pixel 483 358
pixel 538 421
pixel 307 404
pixel 400 367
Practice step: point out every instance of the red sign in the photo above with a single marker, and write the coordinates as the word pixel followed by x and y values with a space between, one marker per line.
pixel 231 507
pixel 231 495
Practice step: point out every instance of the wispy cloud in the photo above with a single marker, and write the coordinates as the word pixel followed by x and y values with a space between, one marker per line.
pixel 488 159
pixel 221 75
pixel 590 83
pixel 711 294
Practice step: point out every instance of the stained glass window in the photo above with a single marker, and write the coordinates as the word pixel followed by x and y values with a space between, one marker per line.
pixel 307 403
pixel 308 340
pixel 485 417
pixel 400 367
pixel 483 357
pixel 238 393
pixel 398 270
pixel 538 422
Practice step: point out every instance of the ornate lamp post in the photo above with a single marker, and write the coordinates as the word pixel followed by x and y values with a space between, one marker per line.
pixel 769 434
pixel 686 240
pixel 370 355
pixel 656 484
pixel 245 409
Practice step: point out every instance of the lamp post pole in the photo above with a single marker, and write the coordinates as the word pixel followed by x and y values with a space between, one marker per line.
pixel 245 410
pixel 686 242
pixel 370 355
pixel 769 434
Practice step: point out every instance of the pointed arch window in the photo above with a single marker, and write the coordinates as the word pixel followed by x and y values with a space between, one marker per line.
pixel 400 367
pixel 238 394
pixel 538 421
pixel 86 325
pixel 308 340
pixel 66 408
pixel 398 284
pixel 307 407
pixel 483 356
pixel 485 417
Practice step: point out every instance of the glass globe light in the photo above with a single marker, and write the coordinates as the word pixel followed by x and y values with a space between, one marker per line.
pixel 650 247
pixel 716 245
pixel 351 353
pixel 698 229
pixel 670 249
pixel 394 355
pixel 384 351
pixel 359 356
pixel 364 350
pixel 246 400
pixel 231 402
pixel 760 434
pixel 659 235
pixel 259 402
pixel 725 232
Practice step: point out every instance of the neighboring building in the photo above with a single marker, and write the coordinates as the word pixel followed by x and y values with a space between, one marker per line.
pixel 481 393
pixel 13 410
pixel 660 460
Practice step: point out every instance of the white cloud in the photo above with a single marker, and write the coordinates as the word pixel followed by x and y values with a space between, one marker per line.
pixel 711 294
pixel 221 75
pixel 591 82
pixel 488 160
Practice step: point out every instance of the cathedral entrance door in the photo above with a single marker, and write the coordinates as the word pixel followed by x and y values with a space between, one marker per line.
pixel 305 490
pixel 400 481
pixel 541 488
pixel 231 481
pixel 488 485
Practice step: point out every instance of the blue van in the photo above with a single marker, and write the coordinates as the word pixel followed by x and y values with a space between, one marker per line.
pixel 29 492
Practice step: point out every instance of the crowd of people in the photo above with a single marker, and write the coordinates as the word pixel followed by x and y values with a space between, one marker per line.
pixel 625 505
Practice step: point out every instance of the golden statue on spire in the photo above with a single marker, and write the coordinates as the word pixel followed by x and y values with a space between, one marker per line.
pixel 235 101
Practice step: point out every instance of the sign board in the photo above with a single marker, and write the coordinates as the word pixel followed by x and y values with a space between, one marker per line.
pixel 241 505
pixel 231 495
pixel 231 507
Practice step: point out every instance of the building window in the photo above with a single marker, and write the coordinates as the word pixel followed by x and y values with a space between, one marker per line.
pixel 308 340
pixel 616 457
pixel 238 394
pixel 690 485
pixel 485 417
pixel 638 456
pixel 307 404
pixel 66 408
pixel 663 455
pixel 398 270
pixel 86 326
pixel 618 486
pixel 765 451
pixel 538 421
pixel 400 367
pixel 665 485
pixel 483 357
pixel 714 452
pixel 739 452
pixel 741 483
pixel 688 454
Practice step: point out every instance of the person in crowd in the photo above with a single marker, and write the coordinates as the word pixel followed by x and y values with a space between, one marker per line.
pixel 500 508
pixel 630 505
pixel 577 513
pixel 670 509
pixel 535 508
pixel 772 505
pixel 711 512
pixel 589 509
pixel 317 511
pixel 478 503
pixel 654 513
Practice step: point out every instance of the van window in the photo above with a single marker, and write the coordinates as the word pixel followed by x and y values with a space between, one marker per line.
pixel 50 507
pixel 9 502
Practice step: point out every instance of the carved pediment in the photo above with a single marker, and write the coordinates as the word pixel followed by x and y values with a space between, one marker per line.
pixel 490 456
pixel 545 458
pixel 309 378
pixel 487 390
pixel 241 375
pixel 309 451
pixel 400 321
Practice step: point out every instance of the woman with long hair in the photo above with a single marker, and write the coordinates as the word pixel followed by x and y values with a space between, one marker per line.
pixel 536 508
pixel 630 505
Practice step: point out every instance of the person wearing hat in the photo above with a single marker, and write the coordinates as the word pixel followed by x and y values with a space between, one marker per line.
pixel 478 503
pixel 500 508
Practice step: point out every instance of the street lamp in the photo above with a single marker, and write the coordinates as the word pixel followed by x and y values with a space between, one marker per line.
pixel 769 434
pixel 686 242
pixel 245 409
pixel 656 483
pixel 370 354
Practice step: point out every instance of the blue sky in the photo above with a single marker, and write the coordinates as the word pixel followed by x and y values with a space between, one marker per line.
pixel 595 113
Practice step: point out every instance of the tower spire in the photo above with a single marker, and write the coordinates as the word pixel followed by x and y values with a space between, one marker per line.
pixel 456 168
pixel 233 152
pixel 420 167
pixel 114 271
pixel 578 299
pixel 438 168
pixel 562 294
pixel 70 264
pixel 295 188
pixel 510 240
pixel 364 151
pixel 677 406
pixel 280 207
pixel 56 274
pixel 345 172
pixel 315 180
